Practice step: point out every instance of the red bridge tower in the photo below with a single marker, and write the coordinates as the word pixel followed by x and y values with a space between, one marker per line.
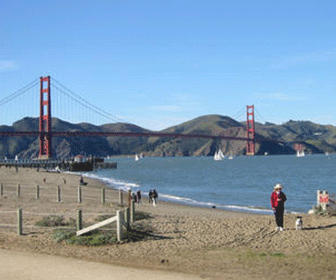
pixel 45 119
pixel 250 131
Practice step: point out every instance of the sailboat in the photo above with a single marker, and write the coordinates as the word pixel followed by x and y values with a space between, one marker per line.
pixel 300 153
pixel 219 155
pixel 136 157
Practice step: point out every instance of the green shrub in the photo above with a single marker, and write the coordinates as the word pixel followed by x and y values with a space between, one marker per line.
pixel 139 215
pixel 95 238
pixel 51 221
pixel 62 234
pixel 102 217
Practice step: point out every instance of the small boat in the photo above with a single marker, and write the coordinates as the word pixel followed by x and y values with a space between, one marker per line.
pixel 136 157
pixel 219 155
pixel 300 153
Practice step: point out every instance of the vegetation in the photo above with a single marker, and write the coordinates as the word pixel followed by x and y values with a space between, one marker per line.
pixel 55 221
pixel 95 238
pixel 139 231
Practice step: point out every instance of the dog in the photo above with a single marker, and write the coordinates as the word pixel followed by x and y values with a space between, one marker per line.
pixel 298 223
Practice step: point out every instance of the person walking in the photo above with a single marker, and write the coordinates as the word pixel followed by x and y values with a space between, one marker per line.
pixel 138 194
pixel 278 199
pixel 150 196
pixel 155 197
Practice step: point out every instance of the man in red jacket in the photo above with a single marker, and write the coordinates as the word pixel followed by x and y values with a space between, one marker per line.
pixel 278 199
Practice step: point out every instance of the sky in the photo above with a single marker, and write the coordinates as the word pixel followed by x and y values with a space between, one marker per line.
pixel 159 63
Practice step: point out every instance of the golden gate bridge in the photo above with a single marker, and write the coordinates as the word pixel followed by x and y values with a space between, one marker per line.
pixel 45 133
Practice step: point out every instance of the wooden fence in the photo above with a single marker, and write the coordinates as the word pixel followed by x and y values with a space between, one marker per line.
pixel 38 193
pixel 123 218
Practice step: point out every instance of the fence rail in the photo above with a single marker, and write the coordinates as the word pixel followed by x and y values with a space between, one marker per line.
pixel 122 218
pixel 40 192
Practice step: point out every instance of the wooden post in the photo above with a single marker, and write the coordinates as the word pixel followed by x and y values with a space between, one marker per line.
pixel 1 189
pixel 132 212
pixel 318 197
pixel 79 200
pixel 129 197
pixel 19 221
pixel 18 190
pixel 103 195
pixel 79 224
pixel 127 217
pixel 119 225
pixel 37 192
pixel 121 198
pixel 58 194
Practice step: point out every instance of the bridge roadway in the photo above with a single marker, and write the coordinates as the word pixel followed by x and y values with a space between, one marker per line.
pixel 144 134
pixel 121 134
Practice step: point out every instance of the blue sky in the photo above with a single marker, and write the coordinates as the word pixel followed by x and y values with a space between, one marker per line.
pixel 158 63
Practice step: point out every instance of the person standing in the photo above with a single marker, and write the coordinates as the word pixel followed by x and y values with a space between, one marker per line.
pixel 278 199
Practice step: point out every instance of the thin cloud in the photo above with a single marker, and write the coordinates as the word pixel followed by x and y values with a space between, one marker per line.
pixel 326 119
pixel 6 65
pixel 279 96
pixel 166 108
pixel 304 58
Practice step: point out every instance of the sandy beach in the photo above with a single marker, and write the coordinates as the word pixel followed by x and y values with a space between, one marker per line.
pixel 199 242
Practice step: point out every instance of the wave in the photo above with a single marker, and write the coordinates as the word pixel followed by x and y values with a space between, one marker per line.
pixel 189 201
pixel 111 182
pixel 125 186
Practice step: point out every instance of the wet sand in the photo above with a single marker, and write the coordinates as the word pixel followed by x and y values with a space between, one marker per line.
pixel 207 243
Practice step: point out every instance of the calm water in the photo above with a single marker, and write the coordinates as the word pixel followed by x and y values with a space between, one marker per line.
pixel 244 183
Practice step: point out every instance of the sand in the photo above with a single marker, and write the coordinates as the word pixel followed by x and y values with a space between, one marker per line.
pixel 41 267
pixel 206 243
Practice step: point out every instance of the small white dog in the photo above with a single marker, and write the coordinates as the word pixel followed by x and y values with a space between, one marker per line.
pixel 298 223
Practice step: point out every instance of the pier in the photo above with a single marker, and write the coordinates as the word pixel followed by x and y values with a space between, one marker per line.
pixel 58 165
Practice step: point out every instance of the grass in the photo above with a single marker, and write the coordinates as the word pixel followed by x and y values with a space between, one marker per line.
pixel 95 238
pixel 139 215
pixel 55 221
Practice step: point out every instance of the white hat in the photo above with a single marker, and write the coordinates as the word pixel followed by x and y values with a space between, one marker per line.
pixel 278 186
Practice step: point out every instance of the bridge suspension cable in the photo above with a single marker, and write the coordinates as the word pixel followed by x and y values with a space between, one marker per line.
pixel 20 103
pixel 240 115
pixel 19 92
pixel 84 103
pixel 260 116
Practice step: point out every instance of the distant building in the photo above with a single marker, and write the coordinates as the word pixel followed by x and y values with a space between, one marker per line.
pixel 80 158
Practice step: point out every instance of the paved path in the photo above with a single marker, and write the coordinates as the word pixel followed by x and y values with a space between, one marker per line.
pixel 30 266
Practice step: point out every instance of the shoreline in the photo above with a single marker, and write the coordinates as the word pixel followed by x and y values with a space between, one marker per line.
pixel 183 201
pixel 211 243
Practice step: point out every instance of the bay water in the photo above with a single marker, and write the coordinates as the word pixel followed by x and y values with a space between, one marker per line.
pixel 241 184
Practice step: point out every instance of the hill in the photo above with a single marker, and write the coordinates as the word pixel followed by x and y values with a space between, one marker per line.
pixel 316 138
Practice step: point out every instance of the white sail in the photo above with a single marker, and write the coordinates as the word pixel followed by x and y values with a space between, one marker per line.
pixel 136 157
pixel 300 153
pixel 219 155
